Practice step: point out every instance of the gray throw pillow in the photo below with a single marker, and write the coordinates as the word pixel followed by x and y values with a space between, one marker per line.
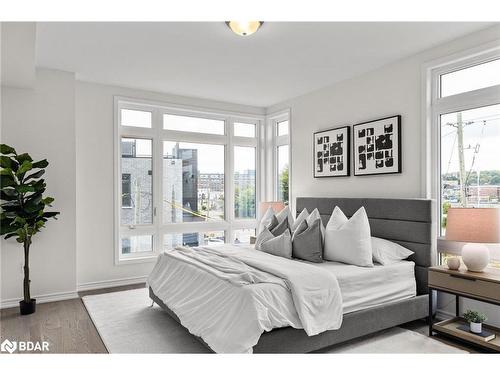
pixel 308 244
pixel 263 236
pixel 280 228
pixel 300 228
pixel 280 246
pixel 273 224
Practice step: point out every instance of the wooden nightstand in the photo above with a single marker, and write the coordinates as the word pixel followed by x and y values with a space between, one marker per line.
pixel 480 286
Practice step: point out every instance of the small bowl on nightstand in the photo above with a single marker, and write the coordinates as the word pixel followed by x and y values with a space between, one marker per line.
pixel 453 263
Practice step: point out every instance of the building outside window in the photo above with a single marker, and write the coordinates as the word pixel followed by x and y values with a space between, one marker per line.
pixel 174 169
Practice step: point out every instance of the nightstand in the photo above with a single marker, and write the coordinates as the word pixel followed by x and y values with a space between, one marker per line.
pixel 479 286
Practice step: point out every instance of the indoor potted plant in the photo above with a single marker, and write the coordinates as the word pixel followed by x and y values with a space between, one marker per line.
pixel 475 319
pixel 22 207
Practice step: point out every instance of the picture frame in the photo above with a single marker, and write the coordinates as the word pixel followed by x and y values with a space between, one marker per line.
pixel 332 152
pixel 377 147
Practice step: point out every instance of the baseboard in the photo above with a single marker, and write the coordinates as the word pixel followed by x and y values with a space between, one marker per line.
pixel 43 298
pixel 110 283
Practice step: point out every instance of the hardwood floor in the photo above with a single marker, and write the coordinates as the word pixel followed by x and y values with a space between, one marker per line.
pixel 64 324
pixel 67 327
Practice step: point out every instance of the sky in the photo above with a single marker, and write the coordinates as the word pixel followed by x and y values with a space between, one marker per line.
pixel 479 135
pixel 481 132
pixel 211 157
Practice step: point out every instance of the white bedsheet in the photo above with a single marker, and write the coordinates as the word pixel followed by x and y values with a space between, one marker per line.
pixel 366 287
pixel 230 302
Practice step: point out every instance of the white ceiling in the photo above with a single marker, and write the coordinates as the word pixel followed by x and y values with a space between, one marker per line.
pixel 204 59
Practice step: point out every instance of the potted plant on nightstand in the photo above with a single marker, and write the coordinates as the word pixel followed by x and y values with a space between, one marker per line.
pixel 23 205
pixel 475 319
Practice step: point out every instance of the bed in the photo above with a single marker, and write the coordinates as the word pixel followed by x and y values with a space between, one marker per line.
pixel 367 307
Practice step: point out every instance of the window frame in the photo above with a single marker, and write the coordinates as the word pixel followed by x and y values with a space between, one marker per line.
pixel 158 229
pixel 434 106
pixel 275 142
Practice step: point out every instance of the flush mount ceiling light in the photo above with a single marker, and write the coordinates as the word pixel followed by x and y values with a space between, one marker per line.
pixel 244 28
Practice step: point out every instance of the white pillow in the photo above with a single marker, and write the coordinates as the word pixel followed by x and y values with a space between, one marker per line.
pixel 387 252
pixel 312 218
pixel 302 216
pixel 349 240
pixel 266 219
pixel 285 213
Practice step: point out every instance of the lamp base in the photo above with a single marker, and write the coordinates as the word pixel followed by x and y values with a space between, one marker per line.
pixel 476 257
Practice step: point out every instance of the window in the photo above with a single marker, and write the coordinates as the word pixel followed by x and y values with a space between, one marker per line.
pixel 188 178
pixel 464 113
pixel 473 78
pixel 130 117
pixel 193 182
pixel 279 125
pixel 126 191
pixel 283 173
pixel 172 240
pixel 193 124
pixel 244 182
pixel 244 130
pixel 137 181
pixel 243 235
pixel 470 166
pixel 282 127
pixel 131 245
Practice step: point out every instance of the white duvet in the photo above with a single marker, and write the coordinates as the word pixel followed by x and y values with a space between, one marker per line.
pixel 218 294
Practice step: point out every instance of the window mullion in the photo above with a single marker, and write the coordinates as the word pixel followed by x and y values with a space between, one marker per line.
pixel 157 180
pixel 229 179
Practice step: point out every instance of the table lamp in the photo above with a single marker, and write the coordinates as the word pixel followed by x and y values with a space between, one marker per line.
pixel 276 206
pixel 474 226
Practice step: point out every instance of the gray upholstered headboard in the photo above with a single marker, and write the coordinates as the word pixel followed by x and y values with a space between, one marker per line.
pixel 405 221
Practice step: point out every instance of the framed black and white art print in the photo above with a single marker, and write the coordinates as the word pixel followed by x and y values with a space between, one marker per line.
pixel 332 152
pixel 377 146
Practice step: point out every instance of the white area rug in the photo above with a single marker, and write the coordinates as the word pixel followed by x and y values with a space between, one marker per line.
pixel 127 324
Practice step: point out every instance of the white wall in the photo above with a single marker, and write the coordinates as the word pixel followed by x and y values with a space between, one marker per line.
pixel 41 121
pixel 94 180
pixel 391 90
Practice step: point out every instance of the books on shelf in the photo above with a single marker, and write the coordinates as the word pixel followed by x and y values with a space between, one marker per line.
pixel 486 335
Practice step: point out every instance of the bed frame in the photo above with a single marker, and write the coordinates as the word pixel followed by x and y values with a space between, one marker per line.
pixel 405 221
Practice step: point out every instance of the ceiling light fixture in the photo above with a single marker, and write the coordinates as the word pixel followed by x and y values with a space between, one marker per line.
pixel 244 28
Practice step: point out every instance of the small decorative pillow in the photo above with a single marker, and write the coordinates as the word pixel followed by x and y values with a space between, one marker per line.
pixel 263 236
pixel 273 224
pixel 315 215
pixel 280 228
pixel 349 240
pixel 387 252
pixel 280 246
pixel 307 245
pixel 302 227
pixel 266 219
pixel 302 217
pixel 285 213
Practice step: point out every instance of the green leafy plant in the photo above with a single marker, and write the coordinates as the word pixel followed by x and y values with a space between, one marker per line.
pixel 474 316
pixel 22 203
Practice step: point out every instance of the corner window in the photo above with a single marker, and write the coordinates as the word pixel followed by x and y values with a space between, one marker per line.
pixel 183 178
pixel 280 127
pixel 464 125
